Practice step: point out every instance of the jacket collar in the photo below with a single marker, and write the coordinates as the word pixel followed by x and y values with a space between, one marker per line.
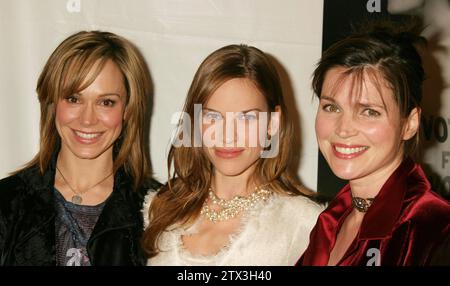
pixel 38 200
pixel 388 204
pixel 117 212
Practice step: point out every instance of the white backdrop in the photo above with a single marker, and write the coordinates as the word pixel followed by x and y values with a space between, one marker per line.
pixel 174 37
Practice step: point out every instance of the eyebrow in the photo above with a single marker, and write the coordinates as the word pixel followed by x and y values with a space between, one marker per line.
pixel 329 98
pixel 371 105
pixel 243 111
pixel 102 95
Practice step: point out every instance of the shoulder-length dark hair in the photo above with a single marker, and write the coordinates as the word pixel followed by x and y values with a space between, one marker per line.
pixel 383 48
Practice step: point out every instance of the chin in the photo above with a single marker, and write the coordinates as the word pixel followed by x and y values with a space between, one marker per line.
pixel 344 170
pixel 88 153
pixel 230 171
pixel 344 174
pixel 87 156
pixel 345 177
pixel 232 167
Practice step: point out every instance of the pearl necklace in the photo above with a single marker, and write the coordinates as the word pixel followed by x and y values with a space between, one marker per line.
pixel 231 208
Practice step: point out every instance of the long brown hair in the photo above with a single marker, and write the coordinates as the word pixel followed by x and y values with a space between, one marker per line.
pixel 180 201
pixel 66 72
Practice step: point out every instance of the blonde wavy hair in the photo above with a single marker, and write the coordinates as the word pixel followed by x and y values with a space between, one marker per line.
pixel 181 199
pixel 66 72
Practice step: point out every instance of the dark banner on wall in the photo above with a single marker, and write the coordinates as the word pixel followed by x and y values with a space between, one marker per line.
pixel 339 17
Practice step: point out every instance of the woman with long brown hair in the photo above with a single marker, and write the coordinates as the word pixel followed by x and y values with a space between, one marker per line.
pixel 231 199
pixel 78 201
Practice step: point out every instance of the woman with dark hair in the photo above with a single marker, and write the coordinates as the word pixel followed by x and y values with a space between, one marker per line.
pixel 370 87
pixel 78 201
pixel 231 200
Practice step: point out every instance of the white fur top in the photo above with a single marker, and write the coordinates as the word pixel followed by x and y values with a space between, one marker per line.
pixel 275 232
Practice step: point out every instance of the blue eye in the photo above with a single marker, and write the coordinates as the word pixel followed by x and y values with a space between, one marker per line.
pixel 209 115
pixel 247 116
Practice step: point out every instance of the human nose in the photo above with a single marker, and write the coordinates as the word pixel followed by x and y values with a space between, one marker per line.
pixel 88 115
pixel 230 130
pixel 346 126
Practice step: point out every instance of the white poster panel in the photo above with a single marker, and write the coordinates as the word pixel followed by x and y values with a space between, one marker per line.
pixel 174 36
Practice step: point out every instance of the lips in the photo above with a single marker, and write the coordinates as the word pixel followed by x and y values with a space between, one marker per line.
pixel 87 137
pixel 228 153
pixel 348 151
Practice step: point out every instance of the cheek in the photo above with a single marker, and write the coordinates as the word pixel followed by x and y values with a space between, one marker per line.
pixel 324 127
pixel 65 114
pixel 381 134
pixel 209 152
pixel 254 154
pixel 112 118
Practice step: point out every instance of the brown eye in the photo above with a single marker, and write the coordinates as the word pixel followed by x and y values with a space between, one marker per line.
pixel 108 102
pixel 72 99
pixel 330 108
pixel 371 112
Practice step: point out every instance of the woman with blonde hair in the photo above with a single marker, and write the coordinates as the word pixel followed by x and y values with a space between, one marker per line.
pixel 231 200
pixel 78 201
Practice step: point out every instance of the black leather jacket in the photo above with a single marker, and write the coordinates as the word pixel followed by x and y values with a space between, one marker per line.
pixel 27 221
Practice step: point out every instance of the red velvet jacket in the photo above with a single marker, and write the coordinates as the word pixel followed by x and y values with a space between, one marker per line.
pixel 407 224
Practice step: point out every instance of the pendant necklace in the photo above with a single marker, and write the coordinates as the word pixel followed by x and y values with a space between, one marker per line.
pixel 360 204
pixel 76 198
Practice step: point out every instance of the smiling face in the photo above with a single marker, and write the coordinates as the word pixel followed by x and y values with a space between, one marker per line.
pixel 90 121
pixel 361 135
pixel 236 150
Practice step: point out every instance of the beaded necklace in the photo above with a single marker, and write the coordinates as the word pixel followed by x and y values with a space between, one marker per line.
pixel 232 207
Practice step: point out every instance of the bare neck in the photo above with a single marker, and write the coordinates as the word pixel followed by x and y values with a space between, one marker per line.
pixel 370 185
pixel 227 187
pixel 83 173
